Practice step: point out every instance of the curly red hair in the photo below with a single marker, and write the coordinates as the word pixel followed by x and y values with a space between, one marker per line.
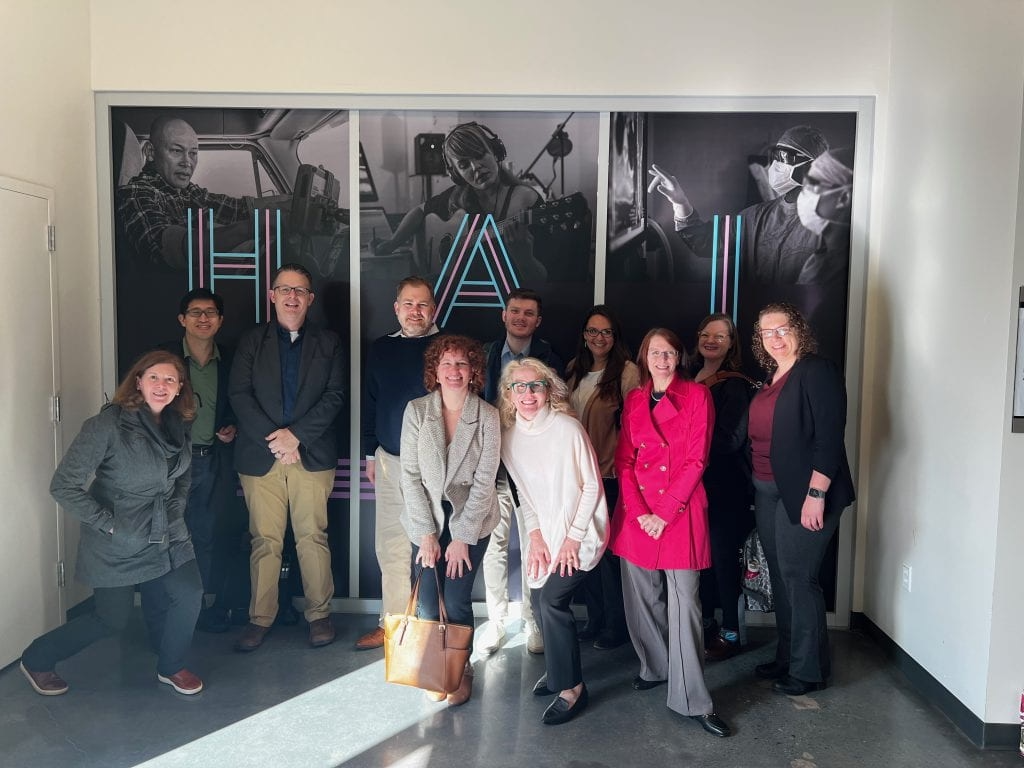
pixel 460 345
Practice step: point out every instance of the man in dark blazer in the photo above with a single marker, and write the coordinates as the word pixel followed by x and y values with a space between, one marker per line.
pixel 201 314
pixel 287 388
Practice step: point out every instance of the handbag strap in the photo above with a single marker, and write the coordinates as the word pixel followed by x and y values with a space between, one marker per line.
pixel 414 597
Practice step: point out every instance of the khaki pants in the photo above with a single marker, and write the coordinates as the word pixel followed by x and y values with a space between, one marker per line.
pixel 394 550
pixel 270 498
pixel 496 560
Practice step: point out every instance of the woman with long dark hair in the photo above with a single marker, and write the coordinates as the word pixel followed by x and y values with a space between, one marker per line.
pixel 599 378
pixel 726 481
pixel 126 478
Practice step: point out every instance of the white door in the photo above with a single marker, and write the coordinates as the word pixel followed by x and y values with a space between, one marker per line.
pixel 30 597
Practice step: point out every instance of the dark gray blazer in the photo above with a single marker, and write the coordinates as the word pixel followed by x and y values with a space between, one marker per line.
pixel 462 473
pixel 808 433
pixel 255 392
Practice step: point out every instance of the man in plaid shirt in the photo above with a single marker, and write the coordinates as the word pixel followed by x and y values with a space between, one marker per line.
pixel 153 207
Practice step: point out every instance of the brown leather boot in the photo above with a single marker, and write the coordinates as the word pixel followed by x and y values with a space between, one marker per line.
pixel 465 689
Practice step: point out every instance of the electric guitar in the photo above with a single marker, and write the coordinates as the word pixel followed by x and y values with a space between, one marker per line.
pixel 439 235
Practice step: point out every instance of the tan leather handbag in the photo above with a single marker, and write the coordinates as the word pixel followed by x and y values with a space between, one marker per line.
pixel 425 654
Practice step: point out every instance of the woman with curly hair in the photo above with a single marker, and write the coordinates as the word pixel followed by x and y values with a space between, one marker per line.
pixel 451 442
pixel 549 457
pixel 126 478
pixel 802 483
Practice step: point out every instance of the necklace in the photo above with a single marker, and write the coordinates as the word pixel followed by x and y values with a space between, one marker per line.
pixel 656 396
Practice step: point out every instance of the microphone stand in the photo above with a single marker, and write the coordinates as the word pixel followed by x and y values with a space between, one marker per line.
pixel 558 136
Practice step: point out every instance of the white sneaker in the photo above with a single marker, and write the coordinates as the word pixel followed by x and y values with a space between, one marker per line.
pixel 489 638
pixel 534 639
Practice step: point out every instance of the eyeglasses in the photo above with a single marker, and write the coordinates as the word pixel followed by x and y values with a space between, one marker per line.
pixel 789 156
pixel 668 355
pixel 593 333
pixel 520 387
pixel 197 313
pixel 782 332
pixel 288 290
pixel 718 338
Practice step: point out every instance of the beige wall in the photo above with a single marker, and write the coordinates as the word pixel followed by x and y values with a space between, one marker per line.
pixel 940 478
pixel 47 137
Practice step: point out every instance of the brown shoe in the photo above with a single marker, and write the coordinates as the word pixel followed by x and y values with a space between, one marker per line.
pixel 183 681
pixel 371 640
pixel 45 683
pixel 251 638
pixel 321 632
pixel 461 695
pixel 720 649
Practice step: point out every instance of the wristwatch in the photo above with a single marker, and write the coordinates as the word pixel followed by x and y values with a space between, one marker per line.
pixel 816 493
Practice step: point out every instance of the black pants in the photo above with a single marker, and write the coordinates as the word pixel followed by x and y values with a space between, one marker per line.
pixel 794 560
pixel 458 593
pixel 179 592
pixel 602 588
pixel 729 523
pixel 552 609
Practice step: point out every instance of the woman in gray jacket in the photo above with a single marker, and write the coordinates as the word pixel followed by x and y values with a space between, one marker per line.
pixel 451 444
pixel 138 449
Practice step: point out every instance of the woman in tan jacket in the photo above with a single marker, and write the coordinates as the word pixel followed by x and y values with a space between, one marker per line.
pixel 599 378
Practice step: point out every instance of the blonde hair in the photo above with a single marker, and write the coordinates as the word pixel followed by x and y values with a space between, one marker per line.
pixel 558 391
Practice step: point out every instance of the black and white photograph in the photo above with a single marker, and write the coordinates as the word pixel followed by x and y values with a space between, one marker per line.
pixel 218 199
pixel 727 221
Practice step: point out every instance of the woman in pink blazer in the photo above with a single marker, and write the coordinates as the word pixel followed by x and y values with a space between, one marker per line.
pixel 661 530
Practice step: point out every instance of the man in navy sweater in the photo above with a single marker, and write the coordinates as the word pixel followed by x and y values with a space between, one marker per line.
pixel 394 376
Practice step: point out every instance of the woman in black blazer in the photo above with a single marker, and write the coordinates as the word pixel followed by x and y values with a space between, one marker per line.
pixel 802 484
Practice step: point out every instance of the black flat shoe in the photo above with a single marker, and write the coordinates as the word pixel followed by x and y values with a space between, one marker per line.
pixel 639 684
pixel 559 711
pixel 771 671
pixel 540 688
pixel 792 686
pixel 713 724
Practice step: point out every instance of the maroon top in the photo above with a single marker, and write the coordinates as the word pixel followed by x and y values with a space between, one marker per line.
pixel 759 428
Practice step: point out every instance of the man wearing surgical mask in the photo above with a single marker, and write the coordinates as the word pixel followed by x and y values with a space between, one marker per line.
pixel 775 246
pixel 823 206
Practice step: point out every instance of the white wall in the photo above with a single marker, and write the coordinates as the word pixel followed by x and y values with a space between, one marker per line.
pixel 939 479
pixel 47 137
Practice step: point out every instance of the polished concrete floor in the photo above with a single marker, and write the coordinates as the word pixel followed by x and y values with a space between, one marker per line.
pixel 290 705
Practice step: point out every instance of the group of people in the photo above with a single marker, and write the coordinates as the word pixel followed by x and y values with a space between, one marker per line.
pixel 630 481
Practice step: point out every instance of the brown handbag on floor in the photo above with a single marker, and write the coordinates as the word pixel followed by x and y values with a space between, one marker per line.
pixel 425 654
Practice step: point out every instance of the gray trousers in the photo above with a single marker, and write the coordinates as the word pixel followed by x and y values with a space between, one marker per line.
pixel 664 619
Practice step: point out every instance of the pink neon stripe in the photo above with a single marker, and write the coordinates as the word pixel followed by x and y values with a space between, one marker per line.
pixel 266 300
pixel 201 257
pixel 266 234
pixel 458 263
pixel 497 262
pixel 725 263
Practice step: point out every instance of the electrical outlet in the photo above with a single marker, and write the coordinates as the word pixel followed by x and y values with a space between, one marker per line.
pixel 908 574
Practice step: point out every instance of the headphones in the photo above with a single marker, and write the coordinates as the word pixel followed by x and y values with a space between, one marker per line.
pixel 489 138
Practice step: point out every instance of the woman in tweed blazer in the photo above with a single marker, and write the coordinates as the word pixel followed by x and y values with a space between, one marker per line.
pixel 451 443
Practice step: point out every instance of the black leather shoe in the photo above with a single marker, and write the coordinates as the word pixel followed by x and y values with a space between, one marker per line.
pixel 792 686
pixel 771 671
pixel 639 684
pixel 213 620
pixel 608 641
pixel 540 688
pixel 589 631
pixel 713 724
pixel 559 711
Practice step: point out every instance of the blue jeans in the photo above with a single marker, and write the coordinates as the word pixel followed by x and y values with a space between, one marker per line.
pixel 178 594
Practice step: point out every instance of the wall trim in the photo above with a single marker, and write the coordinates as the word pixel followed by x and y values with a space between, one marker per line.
pixel 981 734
